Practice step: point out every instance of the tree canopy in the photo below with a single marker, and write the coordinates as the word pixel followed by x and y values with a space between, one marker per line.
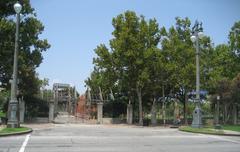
pixel 30 46
pixel 144 59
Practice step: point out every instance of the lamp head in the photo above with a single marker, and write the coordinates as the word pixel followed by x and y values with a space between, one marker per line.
pixel 193 38
pixel 17 7
pixel 200 35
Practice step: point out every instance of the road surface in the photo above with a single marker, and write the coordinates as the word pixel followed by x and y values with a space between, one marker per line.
pixel 116 138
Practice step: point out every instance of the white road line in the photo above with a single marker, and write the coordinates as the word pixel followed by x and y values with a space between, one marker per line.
pixel 24 143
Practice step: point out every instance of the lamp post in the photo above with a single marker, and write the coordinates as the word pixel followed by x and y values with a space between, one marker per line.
pixel 13 120
pixel 197 113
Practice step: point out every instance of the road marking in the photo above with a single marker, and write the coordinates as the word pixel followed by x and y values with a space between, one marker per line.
pixel 24 143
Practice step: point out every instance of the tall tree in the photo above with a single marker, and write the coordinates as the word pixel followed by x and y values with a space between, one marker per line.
pixel 134 38
pixel 30 50
pixel 234 38
pixel 180 54
pixel 235 95
pixel 125 63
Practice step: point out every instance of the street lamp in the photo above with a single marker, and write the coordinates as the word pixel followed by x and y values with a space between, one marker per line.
pixel 197 113
pixel 13 121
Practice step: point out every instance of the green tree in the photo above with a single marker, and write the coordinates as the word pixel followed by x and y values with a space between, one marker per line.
pixel 228 90
pixel 179 53
pixel 235 89
pixel 125 64
pixel 180 58
pixel 234 38
pixel 134 39
pixel 223 62
pixel 30 50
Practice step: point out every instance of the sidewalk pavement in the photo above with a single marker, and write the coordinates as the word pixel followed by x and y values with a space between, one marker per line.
pixel 38 126
pixel 231 133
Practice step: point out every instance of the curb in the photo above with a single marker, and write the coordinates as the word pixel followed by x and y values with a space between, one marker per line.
pixel 55 122
pixel 238 135
pixel 16 133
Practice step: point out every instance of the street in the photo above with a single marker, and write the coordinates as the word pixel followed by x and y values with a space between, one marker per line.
pixel 116 138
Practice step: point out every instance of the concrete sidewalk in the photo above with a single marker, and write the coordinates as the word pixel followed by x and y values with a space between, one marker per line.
pixel 231 133
pixel 39 126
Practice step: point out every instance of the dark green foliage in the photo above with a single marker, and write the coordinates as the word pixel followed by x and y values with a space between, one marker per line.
pixel 6 7
pixel 35 107
pixel 228 90
pixel 114 109
pixel 4 99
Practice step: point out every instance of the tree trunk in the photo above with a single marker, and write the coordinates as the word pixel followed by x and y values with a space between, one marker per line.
pixel 225 114
pixel 234 114
pixel 153 112
pixel 215 114
pixel 139 94
pixel 129 112
pixel 176 111
pixel 185 109
pixel 237 113
pixel 218 113
pixel 163 107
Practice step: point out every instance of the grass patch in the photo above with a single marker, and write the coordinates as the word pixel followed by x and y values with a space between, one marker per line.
pixel 204 130
pixel 232 127
pixel 13 130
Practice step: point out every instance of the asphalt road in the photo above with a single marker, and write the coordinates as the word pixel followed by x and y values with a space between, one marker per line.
pixel 97 138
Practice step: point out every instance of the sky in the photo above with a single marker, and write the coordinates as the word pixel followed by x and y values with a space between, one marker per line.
pixel 74 28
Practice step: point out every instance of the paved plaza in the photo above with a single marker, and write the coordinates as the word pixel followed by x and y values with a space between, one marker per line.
pixel 115 138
